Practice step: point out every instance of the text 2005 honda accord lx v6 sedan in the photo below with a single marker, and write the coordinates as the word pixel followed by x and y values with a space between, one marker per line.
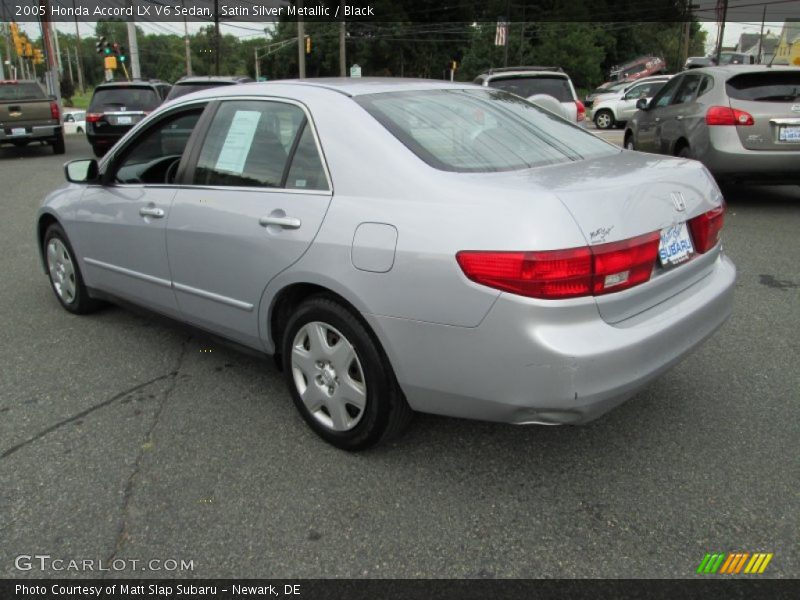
pixel 401 246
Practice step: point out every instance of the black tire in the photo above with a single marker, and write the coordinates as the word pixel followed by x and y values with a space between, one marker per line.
pixel 684 152
pixel 20 144
pixel 99 151
pixel 58 146
pixel 78 303
pixel 629 143
pixel 79 130
pixel 385 413
pixel 604 119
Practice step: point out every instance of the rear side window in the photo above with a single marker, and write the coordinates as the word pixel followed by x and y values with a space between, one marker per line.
pixel 9 92
pixel 558 87
pixel 480 130
pixel 181 89
pixel 128 97
pixel 253 143
pixel 775 86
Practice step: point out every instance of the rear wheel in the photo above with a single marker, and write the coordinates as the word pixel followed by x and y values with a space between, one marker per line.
pixel 684 152
pixel 58 145
pixel 604 119
pixel 65 274
pixel 339 378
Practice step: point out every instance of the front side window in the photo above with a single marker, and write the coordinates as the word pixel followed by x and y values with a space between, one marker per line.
pixel 153 157
pixel 480 130
pixel 253 143
pixel 688 91
pixel 664 97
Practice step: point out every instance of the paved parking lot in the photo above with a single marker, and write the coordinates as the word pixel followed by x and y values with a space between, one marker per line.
pixel 126 436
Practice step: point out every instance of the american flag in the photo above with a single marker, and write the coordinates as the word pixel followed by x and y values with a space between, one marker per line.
pixel 501 34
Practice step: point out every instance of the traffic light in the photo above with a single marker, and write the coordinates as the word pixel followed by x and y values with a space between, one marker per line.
pixel 308 44
pixel 453 65
pixel 102 46
pixel 119 50
pixel 38 57
pixel 28 50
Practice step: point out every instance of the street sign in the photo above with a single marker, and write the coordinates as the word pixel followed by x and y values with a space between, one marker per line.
pixel 111 62
pixel 355 71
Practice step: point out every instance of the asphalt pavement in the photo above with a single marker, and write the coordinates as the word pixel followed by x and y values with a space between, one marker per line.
pixel 125 436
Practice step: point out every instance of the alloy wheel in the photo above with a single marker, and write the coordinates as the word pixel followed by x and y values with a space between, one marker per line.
pixel 62 270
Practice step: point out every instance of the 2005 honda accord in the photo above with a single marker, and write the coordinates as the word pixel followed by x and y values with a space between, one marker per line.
pixel 401 246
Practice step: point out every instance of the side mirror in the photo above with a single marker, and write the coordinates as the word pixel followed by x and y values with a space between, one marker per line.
pixel 83 170
pixel 641 104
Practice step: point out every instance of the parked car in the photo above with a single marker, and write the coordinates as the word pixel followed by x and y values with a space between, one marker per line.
pixel 615 111
pixel 698 62
pixel 608 89
pixel 195 83
pixel 736 58
pixel 401 245
pixel 28 114
pixel 742 122
pixel 117 106
pixel 539 85
pixel 75 122
pixel 641 67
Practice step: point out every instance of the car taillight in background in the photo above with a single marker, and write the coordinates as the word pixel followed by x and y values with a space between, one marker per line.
pixel 706 229
pixel 581 110
pixel 54 112
pixel 725 115
pixel 553 274
pixel 93 117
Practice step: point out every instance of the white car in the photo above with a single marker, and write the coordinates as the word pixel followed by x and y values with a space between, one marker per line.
pixel 75 122
pixel 548 87
pixel 619 108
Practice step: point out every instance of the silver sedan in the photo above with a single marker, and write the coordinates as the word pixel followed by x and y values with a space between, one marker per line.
pixel 401 246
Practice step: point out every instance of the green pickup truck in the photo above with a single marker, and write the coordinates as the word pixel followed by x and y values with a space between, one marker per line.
pixel 28 114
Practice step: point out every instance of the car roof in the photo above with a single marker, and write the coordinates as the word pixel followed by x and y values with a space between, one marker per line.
pixel 213 78
pixel 518 72
pixel 730 70
pixel 347 86
pixel 134 83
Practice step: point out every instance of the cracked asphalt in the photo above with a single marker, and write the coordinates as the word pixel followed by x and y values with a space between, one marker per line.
pixel 125 436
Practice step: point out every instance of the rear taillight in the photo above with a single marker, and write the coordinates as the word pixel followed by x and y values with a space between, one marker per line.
pixel 571 273
pixel 54 112
pixel 93 117
pixel 725 115
pixel 581 110
pixel 706 229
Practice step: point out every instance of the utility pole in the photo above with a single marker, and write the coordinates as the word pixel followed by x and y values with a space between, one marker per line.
pixel 58 49
pixel 7 36
pixel 342 35
pixel 721 26
pixel 687 31
pixel 51 74
pixel 508 32
pixel 216 37
pixel 301 43
pixel 133 44
pixel 761 35
pixel 69 65
pixel 187 44
pixel 78 62
pixel 255 61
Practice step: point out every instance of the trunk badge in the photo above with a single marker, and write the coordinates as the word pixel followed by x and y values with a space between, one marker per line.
pixel 795 107
pixel 678 201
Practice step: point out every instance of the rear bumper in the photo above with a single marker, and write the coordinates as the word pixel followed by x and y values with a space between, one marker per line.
pixel 32 134
pixel 557 363
pixel 726 157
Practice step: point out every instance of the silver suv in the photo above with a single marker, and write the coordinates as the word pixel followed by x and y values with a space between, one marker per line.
pixel 741 122
pixel 540 85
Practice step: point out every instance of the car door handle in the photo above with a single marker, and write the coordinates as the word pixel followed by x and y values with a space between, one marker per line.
pixel 285 222
pixel 151 211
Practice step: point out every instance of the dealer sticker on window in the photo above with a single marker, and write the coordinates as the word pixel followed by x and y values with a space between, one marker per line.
pixel 675 246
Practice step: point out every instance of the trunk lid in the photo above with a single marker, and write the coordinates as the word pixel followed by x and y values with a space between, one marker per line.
pixel 627 195
pixel 772 98
pixel 23 103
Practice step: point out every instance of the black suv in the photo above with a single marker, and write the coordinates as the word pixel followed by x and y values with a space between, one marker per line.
pixel 191 83
pixel 117 106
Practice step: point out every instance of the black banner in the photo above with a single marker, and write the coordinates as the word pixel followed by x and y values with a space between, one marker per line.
pixel 392 589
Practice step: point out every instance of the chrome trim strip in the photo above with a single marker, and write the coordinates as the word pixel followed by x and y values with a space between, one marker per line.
pixel 128 272
pixel 212 296
pixel 785 121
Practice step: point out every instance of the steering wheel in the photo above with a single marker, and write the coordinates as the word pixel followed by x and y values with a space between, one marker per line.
pixel 169 175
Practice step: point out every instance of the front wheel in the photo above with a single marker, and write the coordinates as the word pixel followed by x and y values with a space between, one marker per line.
pixel 339 378
pixel 65 274
pixel 604 119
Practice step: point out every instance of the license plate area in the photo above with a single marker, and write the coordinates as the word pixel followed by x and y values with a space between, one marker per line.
pixel 789 133
pixel 675 246
pixel 18 131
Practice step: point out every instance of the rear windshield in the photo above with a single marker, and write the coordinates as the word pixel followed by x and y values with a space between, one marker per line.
pixel 181 89
pixel 129 98
pixel 481 130
pixel 558 87
pixel 774 86
pixel 21 91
